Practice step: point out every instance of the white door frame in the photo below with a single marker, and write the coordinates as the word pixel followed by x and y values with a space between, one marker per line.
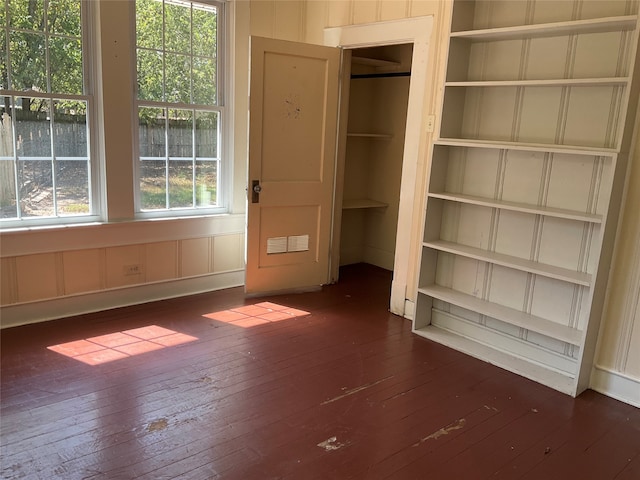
pixel 417 31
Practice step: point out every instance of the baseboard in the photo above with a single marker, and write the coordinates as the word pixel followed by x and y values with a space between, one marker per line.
pixel 41 311
pixel 616 385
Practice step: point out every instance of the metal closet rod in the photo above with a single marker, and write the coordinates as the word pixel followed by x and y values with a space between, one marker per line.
pixel 381 75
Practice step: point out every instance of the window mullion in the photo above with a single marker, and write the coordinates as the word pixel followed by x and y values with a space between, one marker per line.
pixel 166 156
pixel 14 139
pixel 54 163
pixel 193 158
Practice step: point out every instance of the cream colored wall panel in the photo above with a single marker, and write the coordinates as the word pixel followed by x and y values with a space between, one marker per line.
pixel 394 9
pixel 444 274
pixel 500 13
pixel 473 226
pixel 538 105
pixel 593 55
pixel 195 257
pixel 8 287
pixel 514 234
pixel 490 113
pixel 315 20
pixel 289 24
pixel 553 300
pixel 83 270
pixel 604 8
pixel 36 277
pixel 547 58
pixel 228 253
pixel 419 8
pixel 262 18
pixel 117 259
pixel 340 13
pixel 587 121
pixel 633 358
pixel 547 12
pixel 365 11
pixel 468 276
pixel 558 242
pixel 572 179
pixel 480 173
pixel 161 261
pixel 352 237
pixel 508 287
pixel 487 60
pixel 522 176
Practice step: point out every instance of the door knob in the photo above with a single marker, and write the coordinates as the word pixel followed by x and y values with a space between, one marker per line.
pixel 255 191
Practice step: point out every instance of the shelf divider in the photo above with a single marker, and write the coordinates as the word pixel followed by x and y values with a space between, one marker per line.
pixel 505 314
pixel 518 207
pixel 370 135
pixel 597 25
pixel 352 204
pixel 529 147
pixel 559 82
pixel 510 261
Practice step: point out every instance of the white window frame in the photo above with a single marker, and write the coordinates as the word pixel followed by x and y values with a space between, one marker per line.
pixel 225 136
pixel 96 203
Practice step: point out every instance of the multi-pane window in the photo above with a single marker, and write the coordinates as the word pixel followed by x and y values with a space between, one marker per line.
pixel 180 107
pixel 45 164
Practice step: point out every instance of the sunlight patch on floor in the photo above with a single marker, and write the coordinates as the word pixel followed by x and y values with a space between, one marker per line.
pixel 119 345
pixel 258 314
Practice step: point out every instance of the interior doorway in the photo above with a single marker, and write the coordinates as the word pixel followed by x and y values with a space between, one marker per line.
pixel 380 41
pixel 377 116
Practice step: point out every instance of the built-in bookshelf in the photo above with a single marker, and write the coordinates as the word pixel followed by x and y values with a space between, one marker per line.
pixel 524 184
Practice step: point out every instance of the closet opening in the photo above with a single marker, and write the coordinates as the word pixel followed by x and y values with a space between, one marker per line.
pixel 369 177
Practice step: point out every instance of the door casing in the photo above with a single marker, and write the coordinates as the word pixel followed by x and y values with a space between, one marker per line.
pixel 416 31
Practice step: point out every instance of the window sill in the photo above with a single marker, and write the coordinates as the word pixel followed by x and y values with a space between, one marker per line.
pixel 57 238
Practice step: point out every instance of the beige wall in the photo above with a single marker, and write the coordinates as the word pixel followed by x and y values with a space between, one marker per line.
pixel 618 357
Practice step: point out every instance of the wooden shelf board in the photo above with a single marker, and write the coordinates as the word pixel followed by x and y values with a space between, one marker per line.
pixel 538 373
pixel 505 314
pixel 510 261
pixel 518 207
pixel 370 135
pixel 362 203
pixel 560 82
pixel 529 147
pixel 374 62
pixel 597 25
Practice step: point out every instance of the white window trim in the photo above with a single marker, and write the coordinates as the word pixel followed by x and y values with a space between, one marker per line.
pixel 89 19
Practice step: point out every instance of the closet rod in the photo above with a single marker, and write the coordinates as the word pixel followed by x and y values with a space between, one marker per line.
pixel 381 75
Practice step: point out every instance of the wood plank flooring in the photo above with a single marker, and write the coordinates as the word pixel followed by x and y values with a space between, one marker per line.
pixel 323 385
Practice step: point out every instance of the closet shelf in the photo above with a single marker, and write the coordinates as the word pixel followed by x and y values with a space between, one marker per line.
pixel 534 371
pixel 505 314
pixel 370 135
pixel 560 82
pixel 518 207
pixel 510 261
pixel 374 62
pixel 530 147
pixel 596 25
pixel 353 204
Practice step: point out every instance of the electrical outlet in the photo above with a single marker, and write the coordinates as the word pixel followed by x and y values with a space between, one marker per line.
pixel 132 269
pixel 431 123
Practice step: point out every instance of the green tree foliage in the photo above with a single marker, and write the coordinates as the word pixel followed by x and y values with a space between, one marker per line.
pixel 179 66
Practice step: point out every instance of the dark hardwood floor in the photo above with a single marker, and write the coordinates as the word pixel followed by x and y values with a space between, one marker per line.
pixel 324 385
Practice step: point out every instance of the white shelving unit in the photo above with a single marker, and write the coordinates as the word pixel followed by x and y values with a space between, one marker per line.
pixel 525 182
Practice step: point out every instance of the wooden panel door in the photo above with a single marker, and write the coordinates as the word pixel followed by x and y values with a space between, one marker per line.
pixel 292 147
